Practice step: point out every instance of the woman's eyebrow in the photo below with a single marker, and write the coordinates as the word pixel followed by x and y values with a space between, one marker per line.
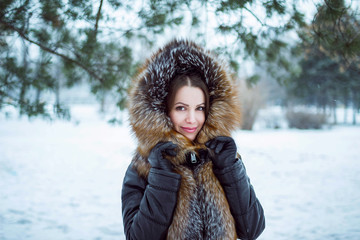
pixel 181 103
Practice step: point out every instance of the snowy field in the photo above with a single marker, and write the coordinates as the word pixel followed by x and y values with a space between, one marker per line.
pixel 62 180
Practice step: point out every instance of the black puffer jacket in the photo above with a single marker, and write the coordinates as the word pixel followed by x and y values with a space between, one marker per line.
pixel 194 201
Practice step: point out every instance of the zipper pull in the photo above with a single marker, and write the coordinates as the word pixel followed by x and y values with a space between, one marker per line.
pixel 193 158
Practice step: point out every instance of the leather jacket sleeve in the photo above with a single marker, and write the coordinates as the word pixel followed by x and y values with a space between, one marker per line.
pixel 245 207
pixel 148 205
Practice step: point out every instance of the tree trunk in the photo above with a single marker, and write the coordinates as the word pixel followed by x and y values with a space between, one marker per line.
pixel 354 115
pixel 334 113
pixel 345 114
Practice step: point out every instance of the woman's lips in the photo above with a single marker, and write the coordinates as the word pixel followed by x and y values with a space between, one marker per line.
pixel 189 129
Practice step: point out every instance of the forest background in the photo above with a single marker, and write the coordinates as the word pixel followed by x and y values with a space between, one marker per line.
pixel 301 55
pixel 66 65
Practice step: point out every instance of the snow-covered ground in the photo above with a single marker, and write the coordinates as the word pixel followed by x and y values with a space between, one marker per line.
pixel 62 180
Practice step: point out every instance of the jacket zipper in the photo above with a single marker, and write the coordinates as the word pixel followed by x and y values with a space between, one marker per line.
pixel 193 158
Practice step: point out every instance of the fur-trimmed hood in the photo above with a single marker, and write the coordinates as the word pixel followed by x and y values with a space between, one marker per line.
pixel 147 106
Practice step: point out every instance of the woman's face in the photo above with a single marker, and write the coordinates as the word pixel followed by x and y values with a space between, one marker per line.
pixel 188 111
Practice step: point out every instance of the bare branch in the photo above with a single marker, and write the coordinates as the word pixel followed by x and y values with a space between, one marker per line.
pixel 98 17
pixel 259 20
pixel 256 17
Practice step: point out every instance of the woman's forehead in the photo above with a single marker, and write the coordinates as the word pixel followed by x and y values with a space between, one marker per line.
pixel 189 95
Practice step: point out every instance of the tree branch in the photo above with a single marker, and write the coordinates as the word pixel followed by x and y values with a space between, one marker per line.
pixel 98 17
pixel 256 17
pixel 47 49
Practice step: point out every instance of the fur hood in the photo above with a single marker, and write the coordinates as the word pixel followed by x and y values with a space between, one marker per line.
pixel 147 106
pixel 202 207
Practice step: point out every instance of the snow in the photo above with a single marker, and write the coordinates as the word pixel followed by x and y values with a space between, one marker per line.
pixel 62 180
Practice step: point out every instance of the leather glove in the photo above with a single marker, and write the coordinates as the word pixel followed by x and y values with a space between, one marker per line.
pixel 156 157
pixel 225 151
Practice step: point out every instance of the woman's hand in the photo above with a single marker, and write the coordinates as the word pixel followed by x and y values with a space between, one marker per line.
pixel 156 157
pixel 225 151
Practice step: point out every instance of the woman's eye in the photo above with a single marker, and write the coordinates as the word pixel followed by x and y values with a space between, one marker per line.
pixel 201 108
pixel 180 108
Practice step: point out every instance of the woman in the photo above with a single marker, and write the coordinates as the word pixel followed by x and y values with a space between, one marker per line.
pixel 186 180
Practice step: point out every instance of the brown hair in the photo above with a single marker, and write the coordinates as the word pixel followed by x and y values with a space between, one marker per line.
pixel 192 80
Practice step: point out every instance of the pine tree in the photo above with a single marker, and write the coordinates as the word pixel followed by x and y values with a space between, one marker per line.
pixel 330 66
pixel 47 45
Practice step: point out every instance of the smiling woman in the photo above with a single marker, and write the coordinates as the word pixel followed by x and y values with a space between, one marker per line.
pixel 186 180
pixel 187 105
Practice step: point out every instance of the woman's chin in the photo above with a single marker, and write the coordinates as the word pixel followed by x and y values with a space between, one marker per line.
pixel 190 136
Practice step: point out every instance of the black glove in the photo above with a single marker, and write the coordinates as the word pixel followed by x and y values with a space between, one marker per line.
pixel 156 157
pixel 225 151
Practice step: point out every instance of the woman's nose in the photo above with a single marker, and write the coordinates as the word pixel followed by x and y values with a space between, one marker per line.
pixel 190 118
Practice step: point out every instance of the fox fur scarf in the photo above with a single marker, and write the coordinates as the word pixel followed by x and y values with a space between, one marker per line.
pixel 202 204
